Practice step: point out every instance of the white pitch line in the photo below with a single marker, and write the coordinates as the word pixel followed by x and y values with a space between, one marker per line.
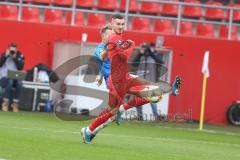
pixel 127 136
pixel 204 130
pixel 175 140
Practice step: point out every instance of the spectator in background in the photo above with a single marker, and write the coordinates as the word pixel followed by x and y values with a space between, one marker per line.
pixel 11 59
pixel 146 61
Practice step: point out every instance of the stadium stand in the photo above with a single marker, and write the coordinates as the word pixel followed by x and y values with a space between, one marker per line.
pixel 107 4
pixel 54 16
pixel 96 20
pixel 143 24
pixel 236 13
pixel 194 25
pixel 205 30
pixel 8 12
pixel 223 32
pixel 151 8
pixel 163 26
pixel 63 2
pixel 170 9
pixel 215 13
pixel 167 13
pixel 186 28
pixel 79 18
pixel 86 3
pixel 133 7
pixel 43 1
pixel 30 14
pixel 192 11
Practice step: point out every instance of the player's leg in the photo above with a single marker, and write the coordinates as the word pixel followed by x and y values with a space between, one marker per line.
pixel 135 86
pixel 135 102
pixel 154 89
pixel 106 117
pixel 105 124
pixel 148 92
pixel 144 91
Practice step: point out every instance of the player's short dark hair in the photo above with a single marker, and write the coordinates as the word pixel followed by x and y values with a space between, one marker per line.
pixel 12 44
pixel 105 28
pixel 117 16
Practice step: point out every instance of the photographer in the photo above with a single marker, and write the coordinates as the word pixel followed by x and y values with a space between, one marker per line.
pixel 147 62
pixel 11 59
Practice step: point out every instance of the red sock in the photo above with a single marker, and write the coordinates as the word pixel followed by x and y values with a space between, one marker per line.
pixel 102 118
pixel 103 112
pixel 136 101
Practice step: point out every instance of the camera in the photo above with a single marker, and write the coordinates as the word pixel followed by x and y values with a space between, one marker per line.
pixel 12 53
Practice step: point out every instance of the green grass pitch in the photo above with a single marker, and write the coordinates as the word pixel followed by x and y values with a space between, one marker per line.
pixel 42 136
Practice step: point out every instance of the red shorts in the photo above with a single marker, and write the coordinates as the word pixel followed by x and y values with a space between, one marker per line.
pixel 118 90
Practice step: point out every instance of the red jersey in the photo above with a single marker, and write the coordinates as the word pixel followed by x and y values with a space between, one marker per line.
pixel 119 60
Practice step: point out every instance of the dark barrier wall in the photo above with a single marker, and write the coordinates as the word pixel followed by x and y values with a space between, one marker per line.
pixel 36 43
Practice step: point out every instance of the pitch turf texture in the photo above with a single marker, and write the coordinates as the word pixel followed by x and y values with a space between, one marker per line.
pixel 41 136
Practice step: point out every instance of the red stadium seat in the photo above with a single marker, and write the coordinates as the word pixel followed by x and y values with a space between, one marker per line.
pixel 170 9
pixel 43 1
pixel 79 18
pixel 215 13
pixel 150 7
pixel 63 2
pixel 8 12
pixel 192 11
pixel 86 3
pixel 96 20
pixel 186 28
pixel 223 32
pixel 133 6
pixel 163 26
pixel 204 29
pixel 236 13
pixel 143 24
pixel 54 16
pixel 30 14
pixel 107 4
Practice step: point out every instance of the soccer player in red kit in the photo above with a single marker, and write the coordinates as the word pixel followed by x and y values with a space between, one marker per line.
pixel 120 82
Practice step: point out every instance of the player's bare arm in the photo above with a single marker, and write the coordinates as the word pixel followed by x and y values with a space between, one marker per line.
pixel 104 55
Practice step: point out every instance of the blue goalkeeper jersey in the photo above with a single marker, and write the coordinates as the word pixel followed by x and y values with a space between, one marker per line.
pixel 104 66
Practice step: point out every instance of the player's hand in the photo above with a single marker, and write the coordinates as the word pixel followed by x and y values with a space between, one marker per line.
pixel 99 79
pixel 141 51
pixel 131 42
pixel 7 53
pixel 14 56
